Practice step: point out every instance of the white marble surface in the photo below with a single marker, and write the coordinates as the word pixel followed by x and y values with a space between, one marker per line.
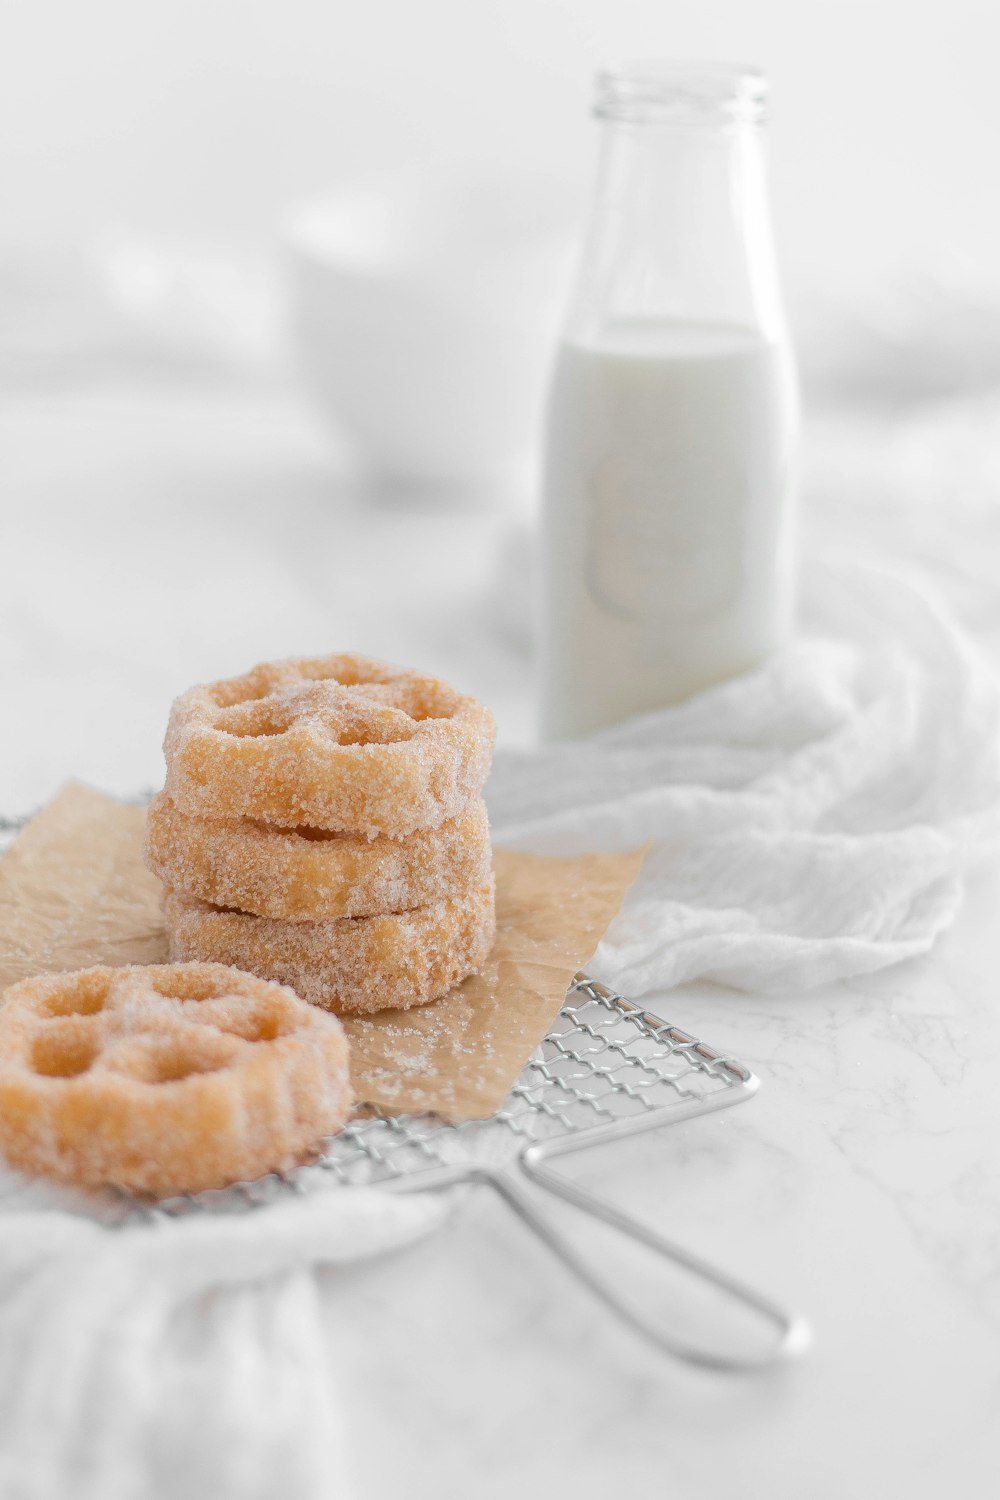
pixel 153 537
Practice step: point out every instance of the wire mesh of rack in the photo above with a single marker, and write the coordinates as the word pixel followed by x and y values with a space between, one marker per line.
pixel 606 1066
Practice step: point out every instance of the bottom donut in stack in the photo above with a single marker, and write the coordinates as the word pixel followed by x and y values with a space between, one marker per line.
pixel 354 965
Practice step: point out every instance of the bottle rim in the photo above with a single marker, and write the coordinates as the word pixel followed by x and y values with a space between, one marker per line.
pixel 652 91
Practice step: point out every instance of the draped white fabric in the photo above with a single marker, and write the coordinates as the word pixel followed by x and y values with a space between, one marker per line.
pixel 807 822
pixel 179 1356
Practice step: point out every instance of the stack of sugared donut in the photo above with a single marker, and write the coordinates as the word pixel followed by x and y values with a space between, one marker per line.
pixel 323 825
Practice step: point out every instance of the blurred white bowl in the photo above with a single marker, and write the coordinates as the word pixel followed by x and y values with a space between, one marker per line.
pixel 425 313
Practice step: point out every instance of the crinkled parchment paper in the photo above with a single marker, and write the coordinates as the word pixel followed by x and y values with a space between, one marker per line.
pixel 74 891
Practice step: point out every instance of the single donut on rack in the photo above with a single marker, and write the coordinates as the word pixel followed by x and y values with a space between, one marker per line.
pixel 354 966
pixel 166 1079
pixel 340 743
pixel 309 874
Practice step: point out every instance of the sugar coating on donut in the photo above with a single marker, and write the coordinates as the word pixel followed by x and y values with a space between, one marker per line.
pixel 166 1078
pixel 313 875
pixel 340 743
pixel 354 966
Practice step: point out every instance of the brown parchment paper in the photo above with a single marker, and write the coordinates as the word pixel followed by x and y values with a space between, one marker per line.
pixel 74 891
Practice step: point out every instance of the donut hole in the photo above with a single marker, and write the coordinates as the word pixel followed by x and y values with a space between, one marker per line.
pixel 253 721
pixel 262 1021
pixel 346 676
pixel 239 690
pixel 359 734
pixel 249 1018
pixel 429 703
pixel 179 1059
pixel 63 1055
pixel 266 731
pixel 265 1024
pixel 381 726
pixel 185 986
pixel 86 998
pixel 168 1058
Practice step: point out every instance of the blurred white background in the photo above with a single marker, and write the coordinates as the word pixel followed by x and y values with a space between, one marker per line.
pixel 204 117
pixel 172 507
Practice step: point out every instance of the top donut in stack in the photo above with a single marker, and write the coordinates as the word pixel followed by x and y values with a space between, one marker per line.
pixel 322 825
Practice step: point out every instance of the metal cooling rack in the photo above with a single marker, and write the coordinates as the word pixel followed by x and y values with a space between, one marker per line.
pixel 608 1069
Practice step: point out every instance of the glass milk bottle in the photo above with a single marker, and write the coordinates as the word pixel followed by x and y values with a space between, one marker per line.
pixel 673 413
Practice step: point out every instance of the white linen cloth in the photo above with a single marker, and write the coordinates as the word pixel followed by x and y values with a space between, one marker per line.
pixel 178 1357
pixel 809 821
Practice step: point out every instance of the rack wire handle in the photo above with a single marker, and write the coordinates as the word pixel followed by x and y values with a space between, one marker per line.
pixel 786 1333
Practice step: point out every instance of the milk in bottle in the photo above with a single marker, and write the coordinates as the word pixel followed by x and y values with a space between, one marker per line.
pixel 673 415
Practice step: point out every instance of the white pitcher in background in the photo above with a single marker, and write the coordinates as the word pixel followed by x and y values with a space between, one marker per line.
pixel 673 416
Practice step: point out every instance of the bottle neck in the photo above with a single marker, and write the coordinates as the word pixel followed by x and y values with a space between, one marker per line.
pixel 680 231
